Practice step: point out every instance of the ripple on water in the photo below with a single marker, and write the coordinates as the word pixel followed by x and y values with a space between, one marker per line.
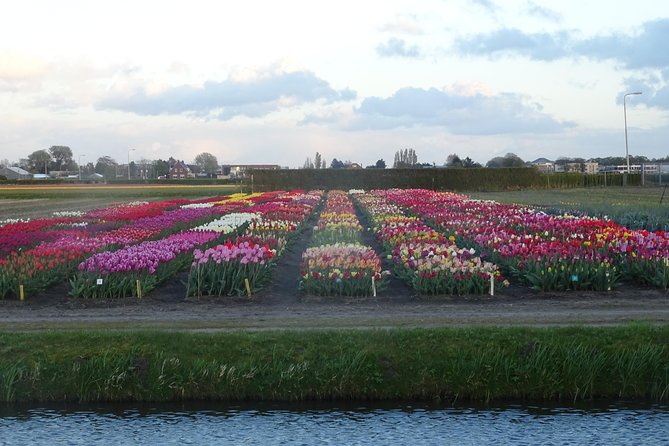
pixel 274 425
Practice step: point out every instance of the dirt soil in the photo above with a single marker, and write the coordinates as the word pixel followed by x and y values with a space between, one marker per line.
pixel 278 309
pixel 280 305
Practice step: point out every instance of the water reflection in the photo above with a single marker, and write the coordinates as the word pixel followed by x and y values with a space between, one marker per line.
pixel 334 423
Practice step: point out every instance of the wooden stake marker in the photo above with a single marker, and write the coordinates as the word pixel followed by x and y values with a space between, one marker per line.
pixel 248 286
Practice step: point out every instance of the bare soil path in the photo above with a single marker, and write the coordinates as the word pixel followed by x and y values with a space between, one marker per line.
pixel 283 311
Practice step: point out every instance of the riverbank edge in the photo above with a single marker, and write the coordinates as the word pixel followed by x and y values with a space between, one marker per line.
pixel 444 364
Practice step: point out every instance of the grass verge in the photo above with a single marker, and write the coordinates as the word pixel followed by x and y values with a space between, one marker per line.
pixel 478 364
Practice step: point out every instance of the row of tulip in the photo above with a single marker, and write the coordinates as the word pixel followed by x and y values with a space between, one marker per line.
pixel 243 264
pixel 137 269
pixel 547 252
pixel 426 259
pixel 52 252
pixel 338 264
pixel 130 270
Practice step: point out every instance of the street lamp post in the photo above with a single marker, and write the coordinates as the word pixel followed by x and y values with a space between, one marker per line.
pixel 627 153
pixel 129 150
pixel 79 163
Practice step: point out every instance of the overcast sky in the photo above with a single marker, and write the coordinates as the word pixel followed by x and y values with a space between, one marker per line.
pixel 275 81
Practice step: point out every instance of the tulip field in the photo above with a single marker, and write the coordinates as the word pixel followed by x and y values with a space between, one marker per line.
pixel 337 264
pixel 439 243
pixel 545 252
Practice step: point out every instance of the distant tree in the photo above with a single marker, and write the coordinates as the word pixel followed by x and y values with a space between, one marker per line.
pixel 161 168
pixel 207 163
pixel 453 161
pixel 38 161
pixel 468 163
pixel 317 160
pixel 308 164
pixel 405 158
pixel 567 160
pixel 324 165
pixel 62 158
pixel 508 160
pixel 106 166
pixel 380 164
pixel 336 164
pixel 88 169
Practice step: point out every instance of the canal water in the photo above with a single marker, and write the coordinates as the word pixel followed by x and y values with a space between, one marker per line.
pixel 201 423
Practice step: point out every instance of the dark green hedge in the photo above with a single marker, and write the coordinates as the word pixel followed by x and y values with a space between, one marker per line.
pixel 483 180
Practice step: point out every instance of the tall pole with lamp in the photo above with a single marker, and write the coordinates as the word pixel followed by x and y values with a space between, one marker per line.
pixel 129 150
pixel 627 153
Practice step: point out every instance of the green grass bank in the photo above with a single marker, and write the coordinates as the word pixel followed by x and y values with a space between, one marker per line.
pixel 568 364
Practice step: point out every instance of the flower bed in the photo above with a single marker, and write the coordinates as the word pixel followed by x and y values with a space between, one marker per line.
pixel 337 264
pixel 137 268
pixel 547 252
pixel 60 251
pixel 243 264
pixel 227 269
pixel 426 259
pixel 342 270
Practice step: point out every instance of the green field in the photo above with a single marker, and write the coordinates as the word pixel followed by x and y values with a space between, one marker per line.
pixel 634 207
pixel 43 200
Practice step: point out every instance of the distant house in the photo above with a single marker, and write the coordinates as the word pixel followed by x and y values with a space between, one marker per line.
pixel 543 165
pixel 239 170
pixel 15 173
pixel 180 171
pixel 591 168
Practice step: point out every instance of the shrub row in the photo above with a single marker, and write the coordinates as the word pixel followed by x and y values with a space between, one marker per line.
pixel 483 180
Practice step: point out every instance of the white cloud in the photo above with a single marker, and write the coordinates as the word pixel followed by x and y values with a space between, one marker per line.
pixel 537 10
pixel 395 47
pixel 631 51
pixel 470 113
pixel 245 95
